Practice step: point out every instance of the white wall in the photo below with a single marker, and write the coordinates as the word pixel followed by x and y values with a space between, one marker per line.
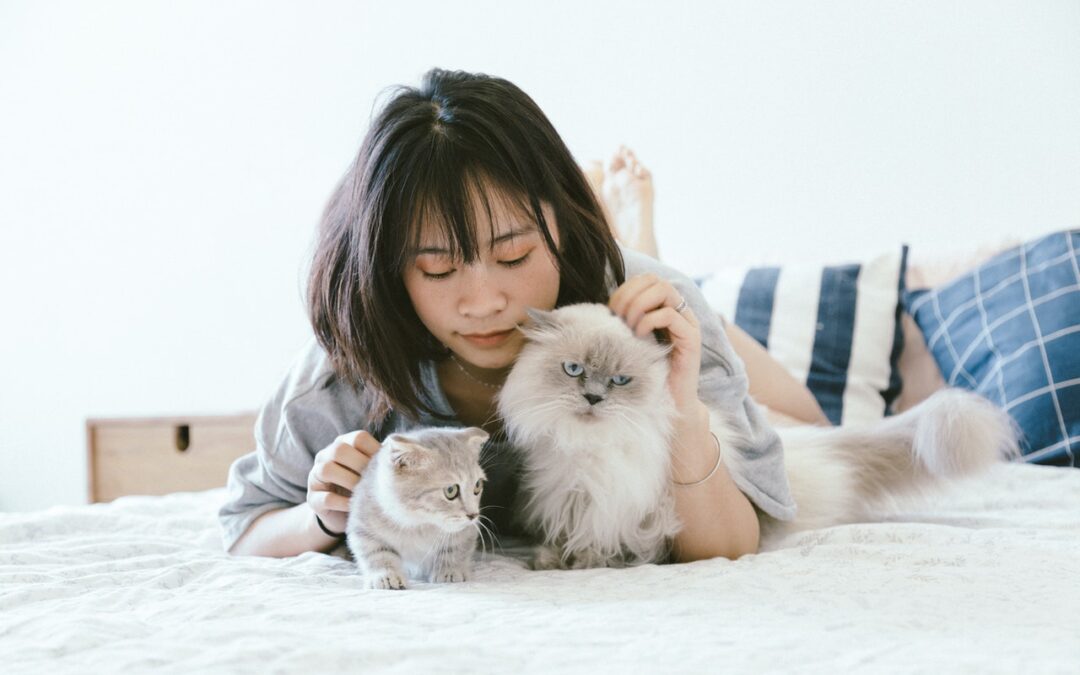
pixel 163 165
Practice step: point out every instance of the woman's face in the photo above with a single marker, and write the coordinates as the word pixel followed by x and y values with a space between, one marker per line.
pixel 474 309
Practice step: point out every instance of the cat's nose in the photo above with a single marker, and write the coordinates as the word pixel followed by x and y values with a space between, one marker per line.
pixel 472 516
pixel 593 399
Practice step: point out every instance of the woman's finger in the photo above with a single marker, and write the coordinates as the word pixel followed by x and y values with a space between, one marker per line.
pixel 628 290
pixel 349 457
pixel 650 298
pixel 322 500
pixel 361 440
pixel 677 325
pixel 336 474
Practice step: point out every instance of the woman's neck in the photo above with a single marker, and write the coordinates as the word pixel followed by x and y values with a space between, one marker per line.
pixel 471 392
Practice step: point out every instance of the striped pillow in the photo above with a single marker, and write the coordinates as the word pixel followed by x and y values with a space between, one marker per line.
pixel 1010 330
pixel 836 328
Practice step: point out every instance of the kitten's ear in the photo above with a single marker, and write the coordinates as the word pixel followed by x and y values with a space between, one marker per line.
pixel 540 323
pixel 476 437
pixel 405 453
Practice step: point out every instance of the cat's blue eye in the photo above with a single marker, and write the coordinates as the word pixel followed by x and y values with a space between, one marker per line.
pixel 620 380
pixel 573 369
pixel 451 492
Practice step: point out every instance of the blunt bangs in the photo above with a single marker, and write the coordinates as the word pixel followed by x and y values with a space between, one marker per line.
pixel 460 187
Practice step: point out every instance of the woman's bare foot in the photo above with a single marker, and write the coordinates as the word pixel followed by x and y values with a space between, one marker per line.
pixel 626 192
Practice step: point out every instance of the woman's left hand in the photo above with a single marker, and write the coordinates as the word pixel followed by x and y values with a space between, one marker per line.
pixel 646 303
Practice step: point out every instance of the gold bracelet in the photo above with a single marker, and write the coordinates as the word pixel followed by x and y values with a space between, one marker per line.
pixel 718 456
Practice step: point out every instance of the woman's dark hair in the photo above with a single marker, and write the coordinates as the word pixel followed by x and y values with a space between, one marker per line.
pixel 430 152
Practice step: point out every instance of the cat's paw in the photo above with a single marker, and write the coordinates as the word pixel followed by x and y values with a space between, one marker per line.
pixel 451 576
pixel 386 580
pixel 547 558
pixel 582 560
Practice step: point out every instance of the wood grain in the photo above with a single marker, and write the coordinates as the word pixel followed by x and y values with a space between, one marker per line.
pixel 159 455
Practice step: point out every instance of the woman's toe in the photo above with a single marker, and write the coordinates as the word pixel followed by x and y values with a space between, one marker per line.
pixel 617 162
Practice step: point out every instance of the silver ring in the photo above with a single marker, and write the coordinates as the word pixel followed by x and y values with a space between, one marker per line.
pixel 682 305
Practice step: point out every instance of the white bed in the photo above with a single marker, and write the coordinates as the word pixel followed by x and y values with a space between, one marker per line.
pixel 982 578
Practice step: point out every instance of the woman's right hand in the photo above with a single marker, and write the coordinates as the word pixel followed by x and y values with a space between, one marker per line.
pixel 336 472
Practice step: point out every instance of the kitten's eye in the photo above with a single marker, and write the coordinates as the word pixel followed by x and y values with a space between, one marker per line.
pixel 573 369
pixel 451 492
pixel 479 487
pixel 621 380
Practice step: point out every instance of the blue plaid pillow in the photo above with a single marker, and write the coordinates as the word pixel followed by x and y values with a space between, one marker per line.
pixel 1010 330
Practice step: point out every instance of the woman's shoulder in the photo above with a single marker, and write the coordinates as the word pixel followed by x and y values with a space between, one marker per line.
pixel 637 263
pixel 311 403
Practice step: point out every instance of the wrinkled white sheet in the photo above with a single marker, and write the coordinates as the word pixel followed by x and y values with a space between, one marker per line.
pixel 983 578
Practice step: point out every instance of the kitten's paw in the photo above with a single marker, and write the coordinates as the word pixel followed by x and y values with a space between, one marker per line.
pixel 387 580
pixel 451 576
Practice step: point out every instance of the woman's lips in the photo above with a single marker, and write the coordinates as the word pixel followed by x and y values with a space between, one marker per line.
pixel 488 339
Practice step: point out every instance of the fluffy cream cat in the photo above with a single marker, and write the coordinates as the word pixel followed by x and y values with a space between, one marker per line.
pixel 587 404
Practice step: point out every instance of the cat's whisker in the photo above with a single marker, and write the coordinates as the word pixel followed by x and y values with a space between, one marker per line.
pixel 437 545
pixel 624 415
pixel 491 533
pixel 478 526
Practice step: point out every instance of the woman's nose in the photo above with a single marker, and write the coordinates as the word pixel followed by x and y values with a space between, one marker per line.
pixel 480 297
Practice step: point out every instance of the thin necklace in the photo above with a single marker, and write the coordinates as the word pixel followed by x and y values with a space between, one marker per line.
pixel 473 377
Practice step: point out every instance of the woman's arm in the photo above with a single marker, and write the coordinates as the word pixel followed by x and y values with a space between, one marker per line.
pixel 289 531
pixel 771 385
pixel 283 532
pixel 717 518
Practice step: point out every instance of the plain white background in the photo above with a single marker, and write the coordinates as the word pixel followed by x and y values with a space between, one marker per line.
pixel 163 165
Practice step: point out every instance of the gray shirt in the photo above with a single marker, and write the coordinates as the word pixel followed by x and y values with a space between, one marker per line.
pixel 312 407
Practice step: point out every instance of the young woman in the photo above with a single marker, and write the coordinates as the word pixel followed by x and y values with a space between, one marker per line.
pixel 462 209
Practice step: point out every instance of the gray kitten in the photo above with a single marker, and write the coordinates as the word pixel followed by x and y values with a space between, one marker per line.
pixel 415 512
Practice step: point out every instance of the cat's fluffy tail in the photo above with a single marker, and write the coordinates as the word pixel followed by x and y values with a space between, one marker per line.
pixel 839 475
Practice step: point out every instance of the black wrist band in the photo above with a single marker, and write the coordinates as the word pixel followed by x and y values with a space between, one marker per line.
pixel 322 527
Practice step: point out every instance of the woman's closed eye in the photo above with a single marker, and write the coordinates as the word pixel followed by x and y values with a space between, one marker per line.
pixel 435 276
pixel 515 262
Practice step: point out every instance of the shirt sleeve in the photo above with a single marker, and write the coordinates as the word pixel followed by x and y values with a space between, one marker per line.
pixel 266 479
pixel 302 417
pixel 755 458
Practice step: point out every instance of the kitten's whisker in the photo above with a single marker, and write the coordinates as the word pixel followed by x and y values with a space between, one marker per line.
pixel 491 533
pixel 476 526
pixel 436 545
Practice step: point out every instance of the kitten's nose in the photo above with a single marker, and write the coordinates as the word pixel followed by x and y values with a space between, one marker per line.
pixel 471 516
pixel 593 399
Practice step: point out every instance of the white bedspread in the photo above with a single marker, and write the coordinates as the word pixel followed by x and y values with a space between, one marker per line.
pixel 982 579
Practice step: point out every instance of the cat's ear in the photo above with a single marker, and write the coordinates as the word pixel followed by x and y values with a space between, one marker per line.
pixel 475 437
pixel 405 454
pixel 541 323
